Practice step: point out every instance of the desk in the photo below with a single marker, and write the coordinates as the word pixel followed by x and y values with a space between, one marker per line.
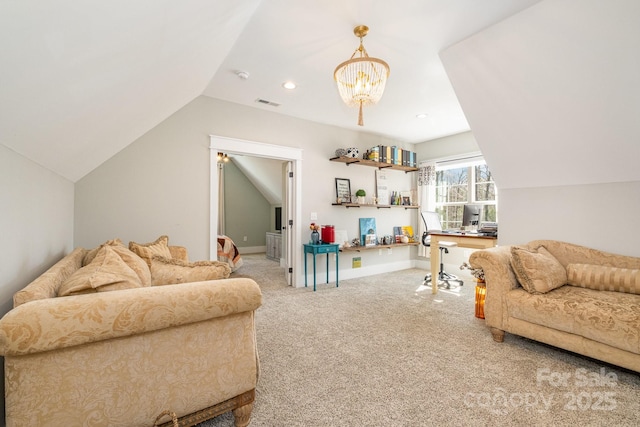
pixel 472 241
pixel 319 249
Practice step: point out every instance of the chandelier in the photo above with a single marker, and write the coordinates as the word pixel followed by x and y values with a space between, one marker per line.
pixel 361 79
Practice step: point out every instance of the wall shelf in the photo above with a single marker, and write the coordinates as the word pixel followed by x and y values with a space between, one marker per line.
pixel 362 162
pixel 368 248
pixel 357 205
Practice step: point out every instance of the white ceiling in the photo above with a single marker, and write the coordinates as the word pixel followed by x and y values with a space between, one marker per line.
pixel 79 81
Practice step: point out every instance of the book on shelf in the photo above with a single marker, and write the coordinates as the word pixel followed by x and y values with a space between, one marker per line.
pixel 367 231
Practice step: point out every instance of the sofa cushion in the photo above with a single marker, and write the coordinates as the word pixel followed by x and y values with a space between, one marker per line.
pixel 166 271
pixel 536 269
pixel 146 251
pixel 107 272
pixel 91 254
pixel 136 263
pixel 611 318
pixel 604 278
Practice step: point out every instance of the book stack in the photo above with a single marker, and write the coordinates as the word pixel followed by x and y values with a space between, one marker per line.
pixel 393 155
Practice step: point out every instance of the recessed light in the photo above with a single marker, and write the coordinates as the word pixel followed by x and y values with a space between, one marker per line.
pixel 289 85
pixel 421 116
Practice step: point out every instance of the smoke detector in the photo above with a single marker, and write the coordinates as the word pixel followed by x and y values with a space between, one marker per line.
pixel 242 74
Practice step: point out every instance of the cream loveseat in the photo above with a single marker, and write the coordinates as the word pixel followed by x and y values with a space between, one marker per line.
pixel 573 297
pixel 119 353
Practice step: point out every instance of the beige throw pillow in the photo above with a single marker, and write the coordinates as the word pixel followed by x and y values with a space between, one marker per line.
pixel 93 252
pixel 603 278
pixel 537 270
pixel 107 272
pixel 146 251
pixel 136 263
pixel 166 271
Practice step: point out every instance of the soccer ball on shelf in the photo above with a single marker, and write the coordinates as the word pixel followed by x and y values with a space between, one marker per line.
pixel 352 152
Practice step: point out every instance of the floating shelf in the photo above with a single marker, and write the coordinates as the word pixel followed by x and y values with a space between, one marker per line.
pixel 368 248
pixel 357 205
pixel 353 160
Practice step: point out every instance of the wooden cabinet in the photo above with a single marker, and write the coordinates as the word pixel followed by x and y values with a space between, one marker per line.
pixel 274 246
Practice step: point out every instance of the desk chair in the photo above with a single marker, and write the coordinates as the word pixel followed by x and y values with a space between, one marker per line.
pixel 432 224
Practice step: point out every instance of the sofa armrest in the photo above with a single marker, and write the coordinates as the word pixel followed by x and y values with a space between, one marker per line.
pixel 500 279
pixel 61 322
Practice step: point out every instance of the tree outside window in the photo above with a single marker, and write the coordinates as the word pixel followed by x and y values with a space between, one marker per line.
pixel 456 187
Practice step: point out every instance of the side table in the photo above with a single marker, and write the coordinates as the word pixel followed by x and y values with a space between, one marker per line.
pixel 325 248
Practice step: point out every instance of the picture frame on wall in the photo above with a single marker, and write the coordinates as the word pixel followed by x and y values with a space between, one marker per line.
pixel 343 190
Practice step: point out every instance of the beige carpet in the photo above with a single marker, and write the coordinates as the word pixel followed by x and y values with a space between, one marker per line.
pixel 383 351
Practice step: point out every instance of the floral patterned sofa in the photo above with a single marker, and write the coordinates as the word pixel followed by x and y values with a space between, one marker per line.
pixel 114 336
pixel 573 297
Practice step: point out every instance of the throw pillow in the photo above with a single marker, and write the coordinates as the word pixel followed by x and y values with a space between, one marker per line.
pixel 603 278
pixel 92 253
pixel 136 263
pixel 146 251
pixel 166 271
pixel 107 272
pixel 537 270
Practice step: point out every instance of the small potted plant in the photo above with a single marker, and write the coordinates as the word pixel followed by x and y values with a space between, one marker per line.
pixel 360 194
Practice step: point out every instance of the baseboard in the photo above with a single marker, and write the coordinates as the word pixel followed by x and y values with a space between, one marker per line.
pixel 252 249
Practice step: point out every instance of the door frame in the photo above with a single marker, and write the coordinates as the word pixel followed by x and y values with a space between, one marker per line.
pixel 270 151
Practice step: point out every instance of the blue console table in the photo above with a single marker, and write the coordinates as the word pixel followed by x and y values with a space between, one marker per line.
pixel 320 249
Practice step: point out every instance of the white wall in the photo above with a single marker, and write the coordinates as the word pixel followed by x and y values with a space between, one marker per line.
pixel 160 183
pixel 552 97
pixel 36 222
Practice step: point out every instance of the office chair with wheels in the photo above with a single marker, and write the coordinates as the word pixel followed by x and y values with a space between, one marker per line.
pixel 432 224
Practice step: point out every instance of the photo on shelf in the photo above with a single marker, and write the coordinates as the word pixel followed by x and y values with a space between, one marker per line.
pixel 368 231
pixel 397 234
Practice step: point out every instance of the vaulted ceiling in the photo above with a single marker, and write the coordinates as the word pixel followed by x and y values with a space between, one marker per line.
pixel 79 81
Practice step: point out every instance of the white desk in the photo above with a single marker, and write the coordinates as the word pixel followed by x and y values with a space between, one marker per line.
pixel 472 241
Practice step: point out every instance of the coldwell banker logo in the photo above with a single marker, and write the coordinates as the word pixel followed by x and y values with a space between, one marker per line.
pixel 589 391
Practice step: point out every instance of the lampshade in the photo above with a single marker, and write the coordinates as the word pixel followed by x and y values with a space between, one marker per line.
pixel 361 79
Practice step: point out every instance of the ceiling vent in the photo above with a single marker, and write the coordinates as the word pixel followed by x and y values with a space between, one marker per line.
pixel 265 102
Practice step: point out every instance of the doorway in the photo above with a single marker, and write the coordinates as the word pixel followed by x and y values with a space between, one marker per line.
pixel 292 195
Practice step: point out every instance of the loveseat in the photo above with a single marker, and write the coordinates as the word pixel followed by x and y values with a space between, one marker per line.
pixel 572 297
pixel 136 334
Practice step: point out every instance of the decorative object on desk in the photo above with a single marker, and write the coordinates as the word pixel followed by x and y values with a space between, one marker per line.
pixel 367 231
pixel 355 242
pixel 388 240
pixel 361 194
pixel 404 239
pixel 340 152
pixel 328 234
pixel 353 152
pixel 343 190
pixel 315 236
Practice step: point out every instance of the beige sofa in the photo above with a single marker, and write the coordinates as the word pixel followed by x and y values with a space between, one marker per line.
pixel 122 357
pixel 573 297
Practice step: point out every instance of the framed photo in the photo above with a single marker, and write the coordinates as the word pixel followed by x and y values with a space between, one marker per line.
pixel 405 198
pixel 343 190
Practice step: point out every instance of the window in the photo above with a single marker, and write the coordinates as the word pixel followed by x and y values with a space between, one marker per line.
pixel 459 184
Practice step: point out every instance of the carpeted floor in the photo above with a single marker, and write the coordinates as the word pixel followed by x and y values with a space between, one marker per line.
pixel 384 351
